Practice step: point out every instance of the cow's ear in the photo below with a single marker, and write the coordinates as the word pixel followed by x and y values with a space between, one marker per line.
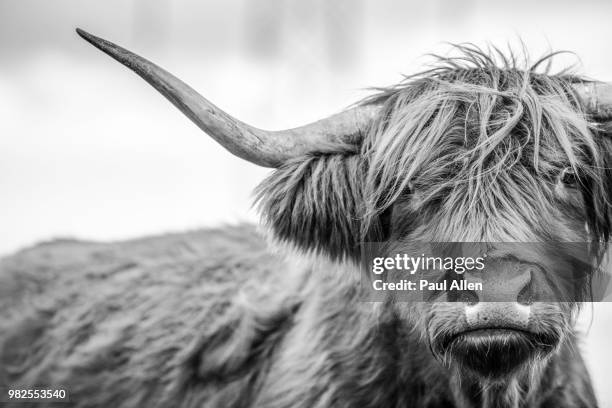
pixel 316 204
pixel 598 195
pixel 605 143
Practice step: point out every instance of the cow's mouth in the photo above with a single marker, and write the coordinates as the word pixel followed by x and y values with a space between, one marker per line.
pixel 498 351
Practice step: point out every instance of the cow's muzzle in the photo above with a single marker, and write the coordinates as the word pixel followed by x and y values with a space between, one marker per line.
pixel 497 340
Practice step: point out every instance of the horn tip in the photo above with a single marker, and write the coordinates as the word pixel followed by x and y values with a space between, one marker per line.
pixel 90 38
pixel 103 45
pixel 82 33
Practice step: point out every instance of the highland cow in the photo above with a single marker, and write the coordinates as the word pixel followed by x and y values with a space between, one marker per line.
pixel 477 149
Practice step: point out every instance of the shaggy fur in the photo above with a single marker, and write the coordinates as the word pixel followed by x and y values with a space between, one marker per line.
pixel 211 319
pixel 472 150
pixel 468 137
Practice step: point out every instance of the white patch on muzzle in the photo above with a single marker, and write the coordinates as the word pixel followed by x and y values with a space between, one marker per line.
pixel 497 315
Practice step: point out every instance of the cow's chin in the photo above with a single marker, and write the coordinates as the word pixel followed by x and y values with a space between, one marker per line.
pixel 497 353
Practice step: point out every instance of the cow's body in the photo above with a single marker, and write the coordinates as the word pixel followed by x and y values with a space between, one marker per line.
pixel 477 150
pixel 212 319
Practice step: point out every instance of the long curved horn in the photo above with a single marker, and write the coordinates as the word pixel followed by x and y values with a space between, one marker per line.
pixel 597 98
pixel 264 148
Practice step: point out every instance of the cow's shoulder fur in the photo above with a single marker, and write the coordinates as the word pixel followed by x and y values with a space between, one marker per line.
pixel 143 322
pixel 211 318
pixel 208 318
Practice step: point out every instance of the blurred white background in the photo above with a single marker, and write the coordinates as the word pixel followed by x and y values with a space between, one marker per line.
pixel 88 150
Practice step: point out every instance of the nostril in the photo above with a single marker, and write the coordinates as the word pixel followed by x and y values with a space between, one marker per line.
pixel 526 295
pixel 468 296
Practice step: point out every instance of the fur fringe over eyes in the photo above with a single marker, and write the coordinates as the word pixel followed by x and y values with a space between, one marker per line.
pixel 477 135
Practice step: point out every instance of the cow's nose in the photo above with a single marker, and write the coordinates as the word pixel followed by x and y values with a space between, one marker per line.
pixel 506 295
pixel 486 315
pixel 508 282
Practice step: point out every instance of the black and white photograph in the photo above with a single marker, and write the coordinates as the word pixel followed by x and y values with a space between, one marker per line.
pixel 305 204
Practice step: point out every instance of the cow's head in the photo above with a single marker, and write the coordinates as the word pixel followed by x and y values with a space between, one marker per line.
pixel 471 151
